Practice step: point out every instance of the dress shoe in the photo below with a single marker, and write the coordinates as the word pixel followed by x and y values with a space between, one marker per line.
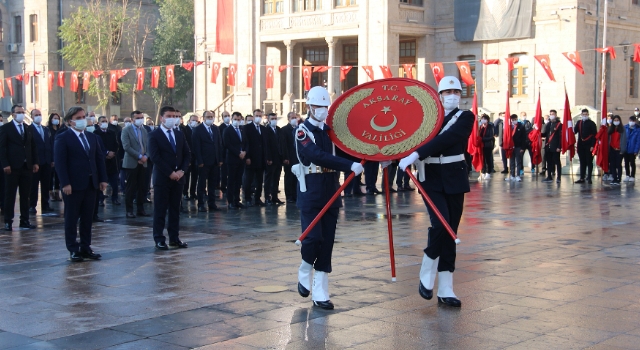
pixel 131 215
pixel 377 191
pixel 348 195
pixel 581 181
pixel 90 255
pixel 248 204
pixel 370 193
pixel 32 210
pixel 259 203
pixel 115 202
pixel 304 292
pixel 558 180
pixel 202 209
pixel 147 200
pixel 142 213
pixel 409 188
pixel 76 257
pixel 240 206
pixel 505 171
pixel 269 202
pixel 548 180
pixel 96 218
pixel 424 292
pixel 177 244
pixel 392 190
pixel 26 224
pixel 326 305
pixel 101 204
pixel 213 208
pixel 47 210
pixel 589 182
pixel 454 302
pixel 161 246
pixel 232 207
pixel 7 227
pixel 278 201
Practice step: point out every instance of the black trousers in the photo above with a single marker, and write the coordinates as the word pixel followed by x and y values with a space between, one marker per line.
pixel 55 182
pixel 234 179
pixel 371 175
pixel 317 247
pixel 290 183
pixel 136 188
pixel 191 180
pixel 487 154
pixel 515 162
pixel 208 178
pixel 224 173
pixel 272 181
pixel 78 206
pixel 353 187
pixel 615 164
pixel 586 161
pixel 553 163
pixel 42 178
pixel 440 244
pixel 2 191
pixel 630 164
pixel 167 196
pixel 402 178
pixel 393 169
pixel 252 174
pixel 149 175
pixel 18 181
pixel 503 154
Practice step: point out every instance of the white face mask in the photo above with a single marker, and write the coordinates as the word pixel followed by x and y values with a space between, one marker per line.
pixel 632 124
pixel 585 117
pixel 483 121
pixel 193 123
pixel 273 123
pixel 90 128
pixel 257 120
pixel 126 124
pixel 241 122
pixel 514 123
pixel 235 123
pixel 169 123
pixel 80 124
pixel 321 113
pixel 55 122
pixel 616 123
pixel 1 123
pixel 226 120
pixel 139 122
pixel 552 117
pixel 636 113
pixel 19 117
pixel 450 102
pixel 209 122
pixel 37 119
pixel 293 122
pixel 114 122
pixel 92 118
pixel 104 125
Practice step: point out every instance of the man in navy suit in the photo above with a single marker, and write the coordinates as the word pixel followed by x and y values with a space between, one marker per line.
pixel 254 144
pixel 226 122
pixel 80 166
pixel 170 155
pixel 42 138
pixel 207 147
pixel 234 159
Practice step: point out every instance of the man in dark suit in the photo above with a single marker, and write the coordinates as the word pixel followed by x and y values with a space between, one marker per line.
pixel 498 131
pixel 519 137
pixel 254 143
pixel 274 140
pixel 19 157
pixel 170 155
pixel 42 138
pixel 191 176
pixel 135 144
pixel 586 130
pixel 207 147
pixel 149 126
pixel 226 122
pixel 80 165
pixel 111 146
pixel 235 153
pixel 290 158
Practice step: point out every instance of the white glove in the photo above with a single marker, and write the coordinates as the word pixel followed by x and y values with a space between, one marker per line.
pixel 357 168
pixel 385 164
pixel 408 160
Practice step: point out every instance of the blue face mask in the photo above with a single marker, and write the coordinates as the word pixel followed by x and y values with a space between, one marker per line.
pixel 80 124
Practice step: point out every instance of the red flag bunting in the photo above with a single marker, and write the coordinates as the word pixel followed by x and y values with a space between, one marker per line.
pixel 155 77
pixel 490 61
pixel 50 77
pixel 544 62
pixel 225 32
pixel 320 69
pixel 122 73
pixel 438 71
pixel 465 72
pixel 369 71
pixel 10 86
pixel 306 75
pixel 171 81
pixel 140 79
pixel 269 77
pixel 74 82
pixel 250 73
pixel 215 70
pixel 85 80
pixel 386 72
pixel 26 78
pixel 19 77
pixel 609 49
pixel 113 80
pixel 475 145
pixel 343 72
pixel 568 137
pixel 511 61
pixel 199 63
pixel 574 58
pixel 61 79
pixel 2 89
pixel 282 68
pixel 408 70
pixel 97 73
pixel 507 140
pixel 231 74
pixel 187 65
pixel 636 53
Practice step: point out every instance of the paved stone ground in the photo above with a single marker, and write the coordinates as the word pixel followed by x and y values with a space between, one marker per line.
pixel 540 266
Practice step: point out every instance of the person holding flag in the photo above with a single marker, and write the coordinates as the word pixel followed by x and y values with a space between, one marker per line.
pixel 552 131
pixel 517 137
pixel 586 130
pixel 488 142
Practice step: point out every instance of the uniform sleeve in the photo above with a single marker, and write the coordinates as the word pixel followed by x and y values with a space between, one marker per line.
pixel 457 133
pixel 311 153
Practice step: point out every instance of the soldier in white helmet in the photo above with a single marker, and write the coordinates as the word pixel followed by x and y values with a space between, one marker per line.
pixel 317 175
pixel 446 182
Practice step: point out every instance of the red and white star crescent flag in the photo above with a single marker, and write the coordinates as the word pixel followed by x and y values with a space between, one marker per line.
pixel 250 74
pixel 74 82
pixel 511 61
pixel 544 62
pixel 636 53
pixel 609 49
pixel 61 79
pixel 574 58
pixel 10 86
pixel 19 77
pixel 171 81
pixel 306 76
pixel 85 80
pixel 2 89
pixel 490 61
pixel 26 78
pixel 282 68
pixel 113 80
pixel 465 72
pixel 343 72
pixel 568 136
pixel 369 71
pixel 438 71
pixel 231 75
pixel 199 63
pixel 155 77
pixel 187 65
pixel 320 69
pixel 386 72
pixel 140 79
pixel 408 70
pixel 474 144
pixel 215 70
pixel 122 73
pixel 507 130
pixel 269 78
pixel 97 73
pixel 50 77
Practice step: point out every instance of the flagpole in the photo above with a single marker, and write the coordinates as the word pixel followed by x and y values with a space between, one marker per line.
pixel 595 65
pixel 604 56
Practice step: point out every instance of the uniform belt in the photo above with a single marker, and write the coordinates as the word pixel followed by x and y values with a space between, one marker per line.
pixel 444 159
pixel 315 169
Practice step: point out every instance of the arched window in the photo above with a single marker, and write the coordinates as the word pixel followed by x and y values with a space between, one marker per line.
pixel 1 28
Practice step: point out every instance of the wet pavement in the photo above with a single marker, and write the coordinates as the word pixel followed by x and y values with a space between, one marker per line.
pixel 540 266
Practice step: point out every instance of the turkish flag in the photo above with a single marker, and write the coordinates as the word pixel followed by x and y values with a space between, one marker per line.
pixel 19 77
pixel 188 66
pixel 282 68
pixel 408 70
pixel 609 49
pixel 369 71
pixel 250 74
pixel 171 81
pixel 231 76
pixel 490 61
pixel 636 53
pixel 97 73
pixel 2 89
pixel 10 86
pixel 199 63
pixel 544 62
pixel 574 57
pixel 511 61
pixel 26 78
pixel 386 72
pixel 568 136
pixel 320 69
pixel 475 144
pixel 155 77
pixel 85 80
pixel 601 150
pixel 215 70
pixel 269 80
pixel 343 72
pixel 122 73
pixel 536 137
pixel 507 133
pixel 306 75
pixel 61 79
pixel 113 80
pixel 465 72
pixel 140 79
pixel 438 71
pixel 74 82
pixel 50 77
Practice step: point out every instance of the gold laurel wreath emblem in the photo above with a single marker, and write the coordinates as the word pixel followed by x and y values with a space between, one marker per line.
pixel 429 118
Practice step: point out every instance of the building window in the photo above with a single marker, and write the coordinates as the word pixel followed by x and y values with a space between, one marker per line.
pixel 36 90
pixel 412 2
pixel 317 56
pixel 273 6
pixel 307 5
pixel 343 3
pixel 33 21
pixel 1 28
pixel 407 56
pixel 350 58
pixel 519 83
pixel 17 23
pixel 633 79
pixel 225 82
pixel 19 92
pixel 468 90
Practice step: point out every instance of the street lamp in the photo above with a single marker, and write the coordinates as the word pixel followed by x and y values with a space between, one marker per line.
pixel 23 63
pixel 625 48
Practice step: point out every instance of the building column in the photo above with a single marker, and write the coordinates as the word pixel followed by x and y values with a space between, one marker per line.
pixel 287 99
pixel 332 54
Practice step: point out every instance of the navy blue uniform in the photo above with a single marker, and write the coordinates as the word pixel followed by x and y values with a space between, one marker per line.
pixel 318 245
pixel 446 185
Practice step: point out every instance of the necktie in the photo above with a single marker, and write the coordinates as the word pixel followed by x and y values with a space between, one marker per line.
pixel 84 143
pixel 41 132
pixel 258 127
pixel 210 134
pixel 21 131
pixel 238 132
pixel 171 140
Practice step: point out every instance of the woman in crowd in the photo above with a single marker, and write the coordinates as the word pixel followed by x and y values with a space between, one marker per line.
pixel 488 142
pixel 617 147
pixel 55 125
pixel 633 146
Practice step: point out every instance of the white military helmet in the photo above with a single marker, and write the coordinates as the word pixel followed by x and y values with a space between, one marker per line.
pixel 449 83
pixel 318 96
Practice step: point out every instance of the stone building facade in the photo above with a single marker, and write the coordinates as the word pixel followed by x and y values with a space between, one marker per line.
pixel 396 32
